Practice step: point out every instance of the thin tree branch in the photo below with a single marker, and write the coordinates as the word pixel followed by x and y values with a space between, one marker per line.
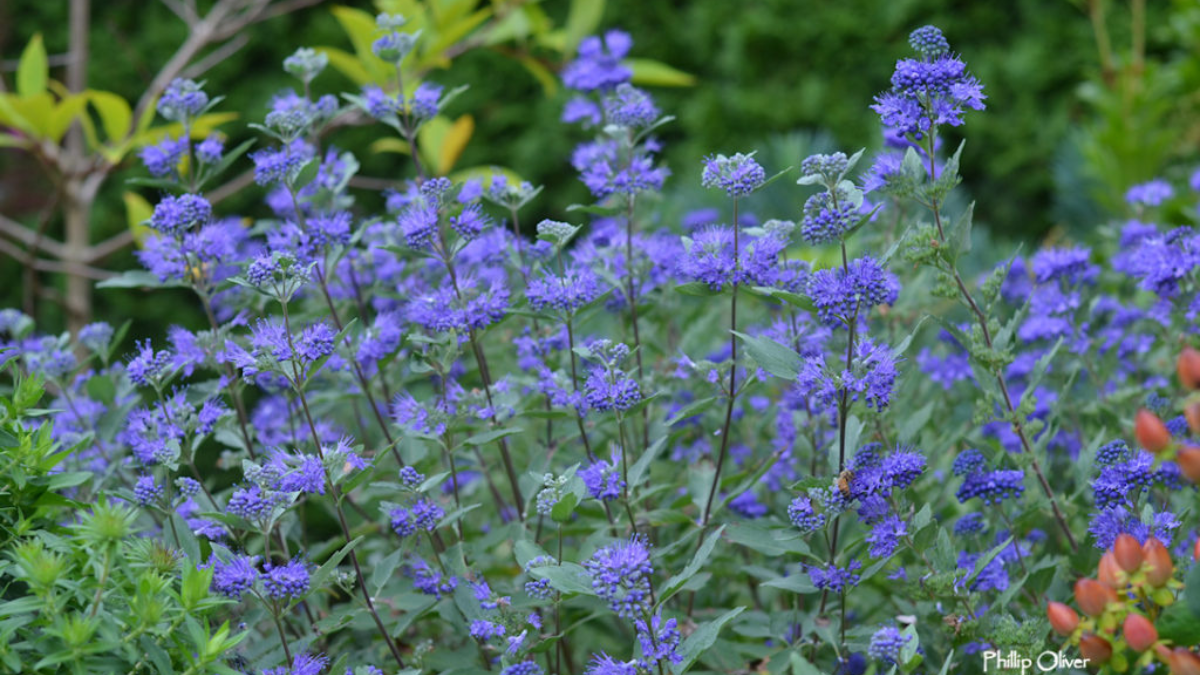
pixel 109 246
pixel 187 14
pixel 41 265
pixel 216 56
pixel 231 187
pixel 28 237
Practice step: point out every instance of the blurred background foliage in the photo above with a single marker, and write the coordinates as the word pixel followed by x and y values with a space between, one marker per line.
pixel 1085 98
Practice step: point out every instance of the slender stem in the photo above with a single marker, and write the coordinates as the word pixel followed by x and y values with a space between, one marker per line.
pixel 732 393
pixel 485 375
pixel 1014 419
pixel 337 498
pixel 637 337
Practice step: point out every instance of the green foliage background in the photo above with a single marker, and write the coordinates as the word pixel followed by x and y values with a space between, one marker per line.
pixel 764 68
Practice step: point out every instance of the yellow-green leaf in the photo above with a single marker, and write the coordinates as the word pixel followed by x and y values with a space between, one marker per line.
pixel 649 72
pixel 137 212
pixel 34 70
pixel 391 144
pixel 456 139
pixel 116 117
pixel 347 64
pixel 583 20
pixel 430 139
pixel 34 111
pixel 360 28
pixel 450 35
pixel 10 116
pixel 64 114
pixel 10 141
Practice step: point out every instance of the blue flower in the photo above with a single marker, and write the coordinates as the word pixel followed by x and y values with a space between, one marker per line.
pixel 833 578
pixel 182 100
pixel 885 536
pixel 621 575
pixel 146 491
pixel 235 577
pixel 935 90
pixel 659 641
pixel 1151 193
pixel 886 644
pixel 603 664
pixel 598 64
pixel 738 175
pixel 290 580
pixel 603 479
pixel 630 107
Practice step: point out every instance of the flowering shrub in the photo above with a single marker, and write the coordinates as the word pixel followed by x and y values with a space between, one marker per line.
pixel 417 440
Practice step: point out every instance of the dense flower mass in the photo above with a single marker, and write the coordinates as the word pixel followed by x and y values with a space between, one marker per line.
pixel 688 430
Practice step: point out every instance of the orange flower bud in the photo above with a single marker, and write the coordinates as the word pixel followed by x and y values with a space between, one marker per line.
pixel 1139 632
pixel 1191 412
pixel 1181 661
pixel 1196 550
pixel 1188 365
pixel 1108 569
pixel 1159 567
pixel 1093 597
pixel 1189 463
pixel 1150 431
pixel 1095 649
pixel 1128 552
pixel 1063 619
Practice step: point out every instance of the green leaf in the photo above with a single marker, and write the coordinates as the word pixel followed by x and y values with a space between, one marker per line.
pixel 115 114
pixel 384 569
pixel 698 642
pixel 641 467
pixel 489 436
pixel 690 409
pixel 567 578
pixel 676 582
pixel 986 560
pixel 561 513
pixel 1179 624
pixel 801 666
pixel 796 583
pixel 583 20
pixel 771 356
pixel 33 71
pixel 138 279
pixel 651 73
pixel 1191 590
pixel 697 289
pixel 59 481
pixel 323 572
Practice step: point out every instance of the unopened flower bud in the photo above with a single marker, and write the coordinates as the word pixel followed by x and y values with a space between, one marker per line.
pixel 1093 597
pixel 1128 552
pixel 1150 431
pixel 1063 619
pixel 1095 649
pixel 1188 366
pixel 1189 463
pixel 1108 571
pixel 1139 633
pixel 1159 567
